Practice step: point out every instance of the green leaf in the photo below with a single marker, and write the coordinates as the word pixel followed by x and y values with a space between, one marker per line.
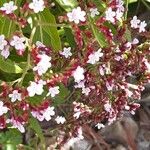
pixel 37 99
pixel 61 97
pixel 41 35
pixel 128 35
pixel 45 17
pixel 11 138
pixel 132 1
pixel 67 5
pixel 9 66
pixel 98 34
pixel 70 37
pixel 34 124
pixel 100 5
pixel 8 27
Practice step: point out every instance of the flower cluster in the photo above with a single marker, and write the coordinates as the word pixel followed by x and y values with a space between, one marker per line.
pixel 87 80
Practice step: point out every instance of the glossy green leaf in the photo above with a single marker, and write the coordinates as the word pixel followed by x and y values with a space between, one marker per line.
pixel 9 66
pixel 67 5
pixel 47 23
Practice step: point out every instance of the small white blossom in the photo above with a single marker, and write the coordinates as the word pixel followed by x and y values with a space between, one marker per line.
pixel 99 126
pixel 109 86
pixel 135 41
pixel 16 124
pixel 128 92
pixel 38 115
pixel 80 133
pixel 119 5
pixel 48 113
pixel 78 74
pixel 80 85
pixel 35 88
pixel 135 22
pixel 60 120
pixel 94 12
pixel 77 114
pixel 3 42
pixel 15 96
pixel 39 44
pixel 37 5
pixel 110 15
pixel 94 57
pixel 107 107
pixel 142 26
pixel 53 91
pixel 9 8
pixel 102 70
pixel 119 14
pixel 3 109
pixel 5 52
pixel 42 82
pixel 86 91
pixel 18 42
pixel 76 15
pixel 66 52
pixel 43 65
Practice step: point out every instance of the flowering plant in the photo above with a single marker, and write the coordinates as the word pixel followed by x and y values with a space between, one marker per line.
pixel 70 62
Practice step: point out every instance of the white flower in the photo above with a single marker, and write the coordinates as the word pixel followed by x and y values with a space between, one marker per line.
pixel 3 109
pixel 60 120
pixel 53 91
pixel 128 92
pixel 80 133
pixel 9 8
pixel 95 57
pixel 135 41
pixel 86 91
pixel 99 126
pixel 38 115
pixel 15 96
pixel 5 52
pixel 107 107
pixel 109 86
pixel 43 65
pixel 102 70
pixel 35 88
pixel 76 15
pixel 66 52
pixel 110 15
pixel 77 114
pixel 135 22
pixel 16 124
pixel 3 42
pixel 42 82
pixel 119 14
pixel 94 12
pixel 80 85
pixel 48 113
pixel 37 5
pixel 17 42
pixel 39 44
pixel 142 26
pixel 120 4
pixel 78 74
